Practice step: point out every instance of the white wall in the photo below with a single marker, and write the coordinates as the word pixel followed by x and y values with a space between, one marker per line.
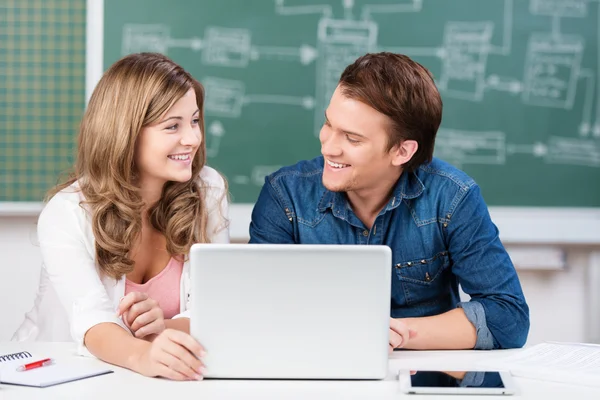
pixel 19 271
pixel 559 299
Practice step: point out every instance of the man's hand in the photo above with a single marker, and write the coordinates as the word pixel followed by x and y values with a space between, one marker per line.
pixel 142 315
pixel 400 334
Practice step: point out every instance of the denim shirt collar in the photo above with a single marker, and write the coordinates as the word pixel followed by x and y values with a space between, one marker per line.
pixel 409 186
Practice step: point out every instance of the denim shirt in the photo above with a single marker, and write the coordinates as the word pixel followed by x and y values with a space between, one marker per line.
pixel 440 233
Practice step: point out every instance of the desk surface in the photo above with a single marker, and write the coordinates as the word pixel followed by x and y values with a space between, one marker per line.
pixel 127 384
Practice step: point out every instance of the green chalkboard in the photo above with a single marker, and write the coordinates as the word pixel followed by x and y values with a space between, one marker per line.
pixel 519 80
pixel 42 93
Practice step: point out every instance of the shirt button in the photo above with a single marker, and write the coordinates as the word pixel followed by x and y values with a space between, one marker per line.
pixel 365 233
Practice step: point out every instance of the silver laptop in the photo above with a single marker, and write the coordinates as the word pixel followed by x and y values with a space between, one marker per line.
pixel 292 311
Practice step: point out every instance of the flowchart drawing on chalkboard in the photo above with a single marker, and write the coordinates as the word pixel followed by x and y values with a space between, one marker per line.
pixel 519 81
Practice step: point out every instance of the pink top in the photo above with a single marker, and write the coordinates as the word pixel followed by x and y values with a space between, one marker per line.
pixel 164 288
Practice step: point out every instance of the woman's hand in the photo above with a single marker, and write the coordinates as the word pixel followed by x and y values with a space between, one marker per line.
pixel 142 315
pixel 173 355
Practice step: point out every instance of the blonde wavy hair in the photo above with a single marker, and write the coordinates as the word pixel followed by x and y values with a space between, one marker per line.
pixel 134 93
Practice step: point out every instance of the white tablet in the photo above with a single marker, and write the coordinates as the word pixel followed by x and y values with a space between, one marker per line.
pixel 457 382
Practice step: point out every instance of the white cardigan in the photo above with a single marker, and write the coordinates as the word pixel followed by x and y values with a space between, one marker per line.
pixel 72 296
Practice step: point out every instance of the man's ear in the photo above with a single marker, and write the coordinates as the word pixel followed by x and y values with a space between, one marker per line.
pixel 403 152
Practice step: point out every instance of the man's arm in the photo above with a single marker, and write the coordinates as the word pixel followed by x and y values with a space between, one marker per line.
pixel 497 309
pixel 448 331
pixel 497 315
pixel 270 221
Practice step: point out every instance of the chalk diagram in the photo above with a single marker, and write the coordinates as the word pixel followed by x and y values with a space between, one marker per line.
pixel 552 72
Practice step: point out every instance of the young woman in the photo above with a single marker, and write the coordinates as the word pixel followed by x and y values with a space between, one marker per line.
pixel 116 235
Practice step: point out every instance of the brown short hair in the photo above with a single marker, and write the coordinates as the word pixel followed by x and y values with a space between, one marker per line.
pixel 402 89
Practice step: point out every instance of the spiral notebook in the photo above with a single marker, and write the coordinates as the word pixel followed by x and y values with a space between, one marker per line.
pixel 59 372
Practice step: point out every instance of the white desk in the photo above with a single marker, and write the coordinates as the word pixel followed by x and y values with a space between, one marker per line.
pixel 126 384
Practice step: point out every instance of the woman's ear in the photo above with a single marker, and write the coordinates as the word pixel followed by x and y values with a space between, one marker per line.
pixel 403 152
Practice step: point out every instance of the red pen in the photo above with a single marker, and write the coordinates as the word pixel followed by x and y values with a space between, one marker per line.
pixel 36 364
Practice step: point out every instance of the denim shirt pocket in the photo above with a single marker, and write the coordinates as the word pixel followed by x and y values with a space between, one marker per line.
pixel 422 279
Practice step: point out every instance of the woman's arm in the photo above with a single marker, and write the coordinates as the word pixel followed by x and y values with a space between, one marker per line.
pixel 110 343
pixel 173 354
pixel 67 247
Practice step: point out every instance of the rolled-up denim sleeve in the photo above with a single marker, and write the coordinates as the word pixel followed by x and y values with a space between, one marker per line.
pixel 482 379
pixel 269 223
pixel 472 379
pixel 476 315
pixel 497 308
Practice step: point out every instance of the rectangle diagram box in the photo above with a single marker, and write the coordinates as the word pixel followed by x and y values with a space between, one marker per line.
pixel 228 47
pixel 224 97
pixel 139 38
pixel 573 151
pixel 340 43
pixel 559 8
pixel 551 68
pixel 462 147
pixel 466 48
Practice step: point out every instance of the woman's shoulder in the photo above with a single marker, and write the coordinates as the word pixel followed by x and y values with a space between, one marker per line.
pixel 66 201
pixel 213 185
pixel 63 209
pixel 209 177
pixel 68 196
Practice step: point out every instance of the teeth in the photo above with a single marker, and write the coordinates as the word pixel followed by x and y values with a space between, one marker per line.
pixel 180 157
pixel 336 165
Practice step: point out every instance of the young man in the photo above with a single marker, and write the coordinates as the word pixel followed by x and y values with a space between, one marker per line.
pixel 378 183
